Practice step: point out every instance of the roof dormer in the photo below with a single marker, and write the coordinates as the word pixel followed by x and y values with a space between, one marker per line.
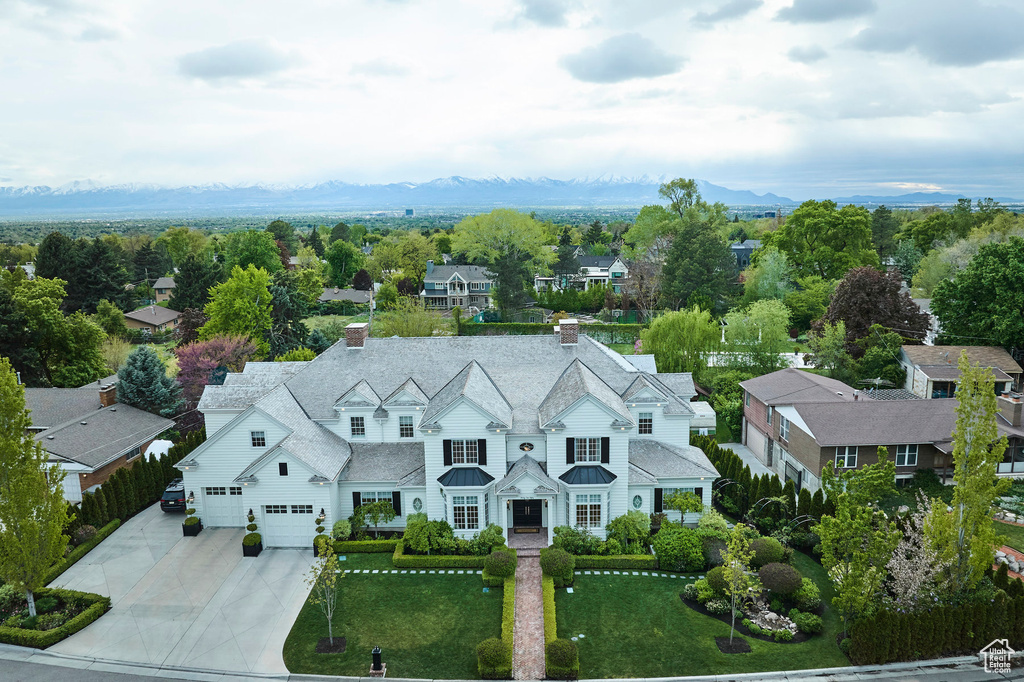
pixel 359 396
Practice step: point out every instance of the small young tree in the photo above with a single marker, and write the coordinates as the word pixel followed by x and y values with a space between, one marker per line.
pixel 323 579
pixel 376 512
pixel 33 513
pixel 740 583
pixel 683 502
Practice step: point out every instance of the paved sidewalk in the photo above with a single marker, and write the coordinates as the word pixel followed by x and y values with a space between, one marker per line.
pixel 528 638
pixel 192 602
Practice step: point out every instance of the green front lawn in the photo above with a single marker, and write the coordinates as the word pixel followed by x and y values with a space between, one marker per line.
pixel 427 625
pixel 1014 534
pixel 622 348
pixel 637 626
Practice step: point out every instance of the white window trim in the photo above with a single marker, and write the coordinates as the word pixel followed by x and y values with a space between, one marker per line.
pixel 641 418
pixel 466 502
pixel 588 500
pixel 258 435
pixel 409 423
pixel 352 427
pixel 468 458
pixel 908 451
pixel 848 452
pixel 783 428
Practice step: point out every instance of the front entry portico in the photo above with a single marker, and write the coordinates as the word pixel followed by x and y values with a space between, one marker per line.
pixel 527 514
pixel 528 495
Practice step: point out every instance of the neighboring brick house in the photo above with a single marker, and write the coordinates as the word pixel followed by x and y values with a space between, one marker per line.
pixel 153 319
pixel 88 433
pixel 795 422
pixel 447 286
pixel 932 370
pixel 163 287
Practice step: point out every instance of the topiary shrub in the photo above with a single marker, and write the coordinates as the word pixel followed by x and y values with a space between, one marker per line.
pixel 190 518
pixel 501 563
pixel 563 659
pixel 494 659
pixel 780 579
pixel 808 597
pixel 558 564
pixel 766 551
pixel 252 538
pixel 716 579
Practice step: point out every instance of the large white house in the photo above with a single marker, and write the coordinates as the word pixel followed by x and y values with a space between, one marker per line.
pixel 520 431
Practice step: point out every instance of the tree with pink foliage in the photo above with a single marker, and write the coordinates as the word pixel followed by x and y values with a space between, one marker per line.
pixel 916 567
pixel 198 361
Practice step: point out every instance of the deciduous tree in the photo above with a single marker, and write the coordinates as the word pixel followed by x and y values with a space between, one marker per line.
pixel 828 349
pixel 757 336
pixel 681 341
pixel 182 242
pixel 323 579
pixel 820 239
pixel 740 583
pixel 241 306
pixel 884 226
pixel 343 260
pixel 253 247
pixel 33 513
pixel 197 362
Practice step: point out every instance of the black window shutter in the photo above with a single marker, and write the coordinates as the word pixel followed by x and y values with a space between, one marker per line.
pixel 570 450
pixel 481 452
pixel 396 502
pixel 699 492
pixel 357 499
pixel 657 500
pixel 606 450
pixel 447 453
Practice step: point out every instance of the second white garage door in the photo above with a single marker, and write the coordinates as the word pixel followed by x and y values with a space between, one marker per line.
pixel 288 525
pixel 222 506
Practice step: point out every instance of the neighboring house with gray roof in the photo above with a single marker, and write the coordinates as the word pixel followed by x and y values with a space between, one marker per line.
pixel 932 370
pixel 88 433
pixel 357 296
pixel 447 286
pixel 795 422
pixel 152 319
pixel 517 431
pixel 163 286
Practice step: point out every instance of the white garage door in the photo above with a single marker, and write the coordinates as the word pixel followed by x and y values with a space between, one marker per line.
pixel 288 525
pixel 222 506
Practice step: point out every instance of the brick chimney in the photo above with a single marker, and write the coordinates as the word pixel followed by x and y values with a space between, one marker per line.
pixel 1010 406
pixel 356 333
pixel 568 332
pixel 108 395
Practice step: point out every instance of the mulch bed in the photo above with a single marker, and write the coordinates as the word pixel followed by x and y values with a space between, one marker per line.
pixel 324 646
pixel 727 619
pixel 737 646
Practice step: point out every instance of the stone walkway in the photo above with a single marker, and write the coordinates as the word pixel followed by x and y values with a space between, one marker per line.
pixel 528 640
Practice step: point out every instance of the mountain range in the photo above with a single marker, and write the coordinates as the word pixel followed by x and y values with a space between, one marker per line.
pixel 84 198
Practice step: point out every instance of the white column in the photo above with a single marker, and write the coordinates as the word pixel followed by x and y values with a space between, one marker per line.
pixel 503 513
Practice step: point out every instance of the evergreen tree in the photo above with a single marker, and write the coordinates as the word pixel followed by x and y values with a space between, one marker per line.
pixel 143 383
pixel 101 275
pixel 803 506
pixel 131 495
pixel 17 342
pixel 55 257
pixel 817 504
pixel 87 509
pixel 789 492
pixel 151 262
pixel 156 474
pixel 316 242
pixel 287 331
pixel 317 342
pixel 193 281
pixel 284 232
pixel 120 504
pixel 594 234
pixel 776 487
pixel 103 515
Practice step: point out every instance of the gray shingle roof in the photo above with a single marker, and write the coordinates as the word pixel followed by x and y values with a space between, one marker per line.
pixel 354 295
pixel 663 460
pixel 524 368
pixel 880 422
pixel 246 387
pixel 465 477
pixel 575 382
pixel 315 445
pixel 164 283
pixel 680 383
pixel 470 273
pixel 644 363
pixel 362 393
pixel 792 386
pixel 383 461
pixel 596 261
pixel 473 384
pixel 418 397
pixel 527 465
pixel 986 356
pixel 52 406
pixel 153 314
pixel 106 434
pixel 638 476
pixel 416 478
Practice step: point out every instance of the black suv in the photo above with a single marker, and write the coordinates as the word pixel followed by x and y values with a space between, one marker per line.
pixel 174 497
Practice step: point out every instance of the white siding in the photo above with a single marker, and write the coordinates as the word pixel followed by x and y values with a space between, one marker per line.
pixel 668 484
pixel 346 507
pixel 294 488
pixel 539 452
pixel 216 419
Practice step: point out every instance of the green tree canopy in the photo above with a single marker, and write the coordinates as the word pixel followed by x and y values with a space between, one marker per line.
pixel 343 260
pixel 241 306
pixel 984 303
pixel 143 383
pixel 181 242
pixel 757 336
pixel 682 340
pixel 253 247
pixel 56 257
pixel 110 319
pixel 809 300
pixel 884 226
pixel 33 513
pixel 820 239
pixel 193 281
pixel 284 232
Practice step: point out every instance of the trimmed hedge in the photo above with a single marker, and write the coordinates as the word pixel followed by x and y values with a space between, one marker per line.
pixel 40 639
pixel 402 560
pixel 559 564
pixel 605 333
pixel 80 551
pixel 364 546
pixel 492 663
pixel 887 636
pixel 562 660
pixel 547 585
pixel 618 561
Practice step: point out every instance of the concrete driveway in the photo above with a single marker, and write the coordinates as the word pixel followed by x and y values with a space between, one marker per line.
pixel 190 602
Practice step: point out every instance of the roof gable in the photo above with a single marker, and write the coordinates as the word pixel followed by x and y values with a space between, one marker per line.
pixel 643 391
pixel 576 383
pixel 474 385
pixel 408 393
pixel 222 432
pixel 360 395
pixel 526 475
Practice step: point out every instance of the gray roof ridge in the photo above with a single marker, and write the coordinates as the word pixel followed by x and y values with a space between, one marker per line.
pixel 401 387
pixel 496 387
pixel 614 355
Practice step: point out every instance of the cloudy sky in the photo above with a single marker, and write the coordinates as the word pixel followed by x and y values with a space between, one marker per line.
pixel 799 97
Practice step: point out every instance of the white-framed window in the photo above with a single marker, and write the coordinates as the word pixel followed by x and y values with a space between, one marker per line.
pixel 474 286
pixel 588 449
pixel 133 453
pixel 405 426
pixel 235 490
pixel 846 457
pixel 357 425
pixel 259 439
pixel 377 496
pixel 439 285
pixel 464 452
pixel 275 508
pixel 465 512
pixel 217 491
pixel 302 509
pixel 588 511
pixel 783 428
pixel 906 455
pixel 769 413
pixel 746 398
pixel 646 423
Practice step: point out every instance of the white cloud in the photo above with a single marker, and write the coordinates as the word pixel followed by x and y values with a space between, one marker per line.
pixel 733 9
pixel 621 58
pixel 235 61
pixel 819 11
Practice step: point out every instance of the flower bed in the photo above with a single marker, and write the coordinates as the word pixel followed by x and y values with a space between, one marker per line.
pixel 365 546
pixel 402 560
pixel 71 612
